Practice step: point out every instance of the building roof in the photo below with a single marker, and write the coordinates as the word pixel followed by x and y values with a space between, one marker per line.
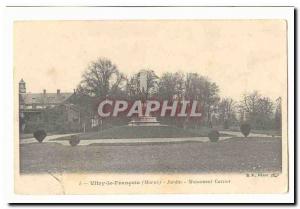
pixel 45 98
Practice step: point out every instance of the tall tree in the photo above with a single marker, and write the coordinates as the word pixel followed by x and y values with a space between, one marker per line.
pixel 194 86
pixel 204 91
pixel 211 99
pixel 101 79
pixel 258 110
pixel 132 87
pixel 170 85
pixel 226 111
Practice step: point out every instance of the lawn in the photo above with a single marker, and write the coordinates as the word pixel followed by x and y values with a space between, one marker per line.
pixel 134 132
pixel 30 135
pixel 26 136
pixel 235 155
pixel 270 132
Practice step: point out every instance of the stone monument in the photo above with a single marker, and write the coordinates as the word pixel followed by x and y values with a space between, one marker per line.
pixel 145 120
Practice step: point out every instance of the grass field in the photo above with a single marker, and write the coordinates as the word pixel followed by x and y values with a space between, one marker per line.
pixel 26 136
pixel 254 131
pixel 134 132
pixel 234 155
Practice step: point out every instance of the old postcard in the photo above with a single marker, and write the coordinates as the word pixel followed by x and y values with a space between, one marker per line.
pixel 151 106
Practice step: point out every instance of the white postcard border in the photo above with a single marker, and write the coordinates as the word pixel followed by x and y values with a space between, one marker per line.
pixel 111 13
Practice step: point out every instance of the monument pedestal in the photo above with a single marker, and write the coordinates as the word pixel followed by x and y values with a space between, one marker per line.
pixel 144 121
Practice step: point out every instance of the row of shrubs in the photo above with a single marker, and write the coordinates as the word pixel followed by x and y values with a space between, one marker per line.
pixel 213 135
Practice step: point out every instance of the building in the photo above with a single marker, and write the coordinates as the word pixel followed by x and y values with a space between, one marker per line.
pixel 55 112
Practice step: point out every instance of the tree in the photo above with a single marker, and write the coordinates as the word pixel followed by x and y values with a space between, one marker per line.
pixel 101 79
pixel 211 99
pixel 226 112
pixel 204 91
pixel 194 86
pixel 133 85
pixel 258 110
pixel 278 114
pixel 170 85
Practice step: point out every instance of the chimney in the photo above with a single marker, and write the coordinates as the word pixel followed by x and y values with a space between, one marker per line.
pixel 44 91
pixel 58 91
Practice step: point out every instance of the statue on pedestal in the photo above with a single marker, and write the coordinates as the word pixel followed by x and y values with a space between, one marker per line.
pixel 145 120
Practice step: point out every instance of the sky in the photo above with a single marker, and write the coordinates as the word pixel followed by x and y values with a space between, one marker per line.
pixel 239 55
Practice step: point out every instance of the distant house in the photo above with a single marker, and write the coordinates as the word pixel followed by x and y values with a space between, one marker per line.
pixel 56 112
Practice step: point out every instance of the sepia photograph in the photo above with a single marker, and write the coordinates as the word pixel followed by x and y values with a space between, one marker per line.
pixel 150 106
pixel 176 104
